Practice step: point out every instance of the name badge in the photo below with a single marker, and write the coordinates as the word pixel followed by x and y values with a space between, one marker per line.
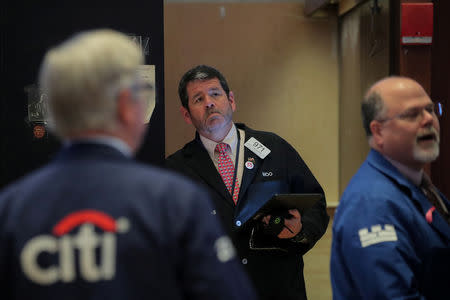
pixel 257 147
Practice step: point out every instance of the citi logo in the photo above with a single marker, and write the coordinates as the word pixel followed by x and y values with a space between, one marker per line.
pixel 267 174
pixel 86 243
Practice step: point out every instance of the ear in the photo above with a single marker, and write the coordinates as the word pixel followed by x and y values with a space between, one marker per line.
pixel 186 115
pixel 377 132
pixel 125 108
pixel 231 99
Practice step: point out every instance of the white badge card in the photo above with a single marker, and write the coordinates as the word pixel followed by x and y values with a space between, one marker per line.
pixel 257 147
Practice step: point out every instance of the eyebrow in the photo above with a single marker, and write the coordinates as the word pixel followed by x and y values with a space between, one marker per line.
pixel 420 106
pixel 213 89
pixel 196 95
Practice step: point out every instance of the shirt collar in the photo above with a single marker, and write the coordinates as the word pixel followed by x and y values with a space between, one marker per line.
pixel 230 139
pixel 411 174
pixel 113 142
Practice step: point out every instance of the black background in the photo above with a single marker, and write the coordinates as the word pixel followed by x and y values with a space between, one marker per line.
pixel 28 30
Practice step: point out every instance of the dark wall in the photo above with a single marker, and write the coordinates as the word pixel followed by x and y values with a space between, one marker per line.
pixel 430 66
pixel 440 91
pixel 28 30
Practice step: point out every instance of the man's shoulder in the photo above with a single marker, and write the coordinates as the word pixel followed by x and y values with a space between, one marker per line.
pixel 114 172
pixel 144 176
pixel 177 154
pixel 368 180
pixel 371 191
pixel 114 179
pixel 184 151
pixel 269 137
pixel 379 176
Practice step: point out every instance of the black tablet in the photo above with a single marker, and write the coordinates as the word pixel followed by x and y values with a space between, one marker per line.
pixel 302 202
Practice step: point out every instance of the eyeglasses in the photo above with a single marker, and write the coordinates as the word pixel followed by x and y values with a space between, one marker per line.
pixel 416 114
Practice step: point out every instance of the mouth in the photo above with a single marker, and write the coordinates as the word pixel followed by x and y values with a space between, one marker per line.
pixel 427 137
pixel 212 113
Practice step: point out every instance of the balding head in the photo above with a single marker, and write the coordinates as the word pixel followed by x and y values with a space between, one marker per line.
pixel 387 89
pixel 394 90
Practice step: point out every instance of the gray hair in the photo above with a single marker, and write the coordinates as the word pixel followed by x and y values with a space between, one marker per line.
pixel 83 76
pixel 372 107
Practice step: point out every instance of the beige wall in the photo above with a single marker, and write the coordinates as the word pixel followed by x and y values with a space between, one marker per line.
pixel 281 66
pixel 364 55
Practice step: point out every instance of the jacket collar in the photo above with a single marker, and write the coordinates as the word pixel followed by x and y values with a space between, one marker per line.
pixel 198 159
pixel 111 141
pixel 89 150
pixel 379 162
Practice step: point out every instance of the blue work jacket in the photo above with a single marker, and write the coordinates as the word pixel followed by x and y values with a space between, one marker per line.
pixel 384 246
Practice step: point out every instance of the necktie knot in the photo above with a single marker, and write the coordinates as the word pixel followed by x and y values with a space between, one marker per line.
pixel 221 148
pixel 426 182
pixel 427 188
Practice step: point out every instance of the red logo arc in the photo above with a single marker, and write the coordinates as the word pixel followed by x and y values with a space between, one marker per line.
pixel 95 217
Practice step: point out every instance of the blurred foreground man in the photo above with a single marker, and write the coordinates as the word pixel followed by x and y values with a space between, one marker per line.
pixel 94 224
pixel 391 233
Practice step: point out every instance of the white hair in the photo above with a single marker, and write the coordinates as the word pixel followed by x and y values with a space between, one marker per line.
pixel 82 78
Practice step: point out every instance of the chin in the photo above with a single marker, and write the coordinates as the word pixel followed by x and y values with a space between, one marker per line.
pixel 426 155
pixel 215 124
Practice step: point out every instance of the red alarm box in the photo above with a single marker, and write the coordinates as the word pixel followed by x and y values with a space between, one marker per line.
pixel 417 23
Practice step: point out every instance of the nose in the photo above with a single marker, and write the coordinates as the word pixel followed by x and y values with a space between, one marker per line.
pixel 428 117
pixel 209 102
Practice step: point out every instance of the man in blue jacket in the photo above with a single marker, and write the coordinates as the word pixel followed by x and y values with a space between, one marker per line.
pixel 94 224
pixel 391 233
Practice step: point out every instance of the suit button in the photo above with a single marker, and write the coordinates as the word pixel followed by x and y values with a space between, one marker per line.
pixel 213 212
pixel 238 223
pixel 244 261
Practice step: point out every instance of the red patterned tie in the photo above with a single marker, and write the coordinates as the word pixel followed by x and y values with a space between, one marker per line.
pixel 226 170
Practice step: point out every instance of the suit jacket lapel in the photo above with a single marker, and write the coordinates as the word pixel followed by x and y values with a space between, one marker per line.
pixel 199 161
pixel 248 174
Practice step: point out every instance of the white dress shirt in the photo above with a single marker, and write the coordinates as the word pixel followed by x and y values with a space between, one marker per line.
pixel 232 140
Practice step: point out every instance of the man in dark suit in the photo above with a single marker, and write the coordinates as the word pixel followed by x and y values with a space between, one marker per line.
pixel 94 224
pixel 242 169
pixel 391 231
